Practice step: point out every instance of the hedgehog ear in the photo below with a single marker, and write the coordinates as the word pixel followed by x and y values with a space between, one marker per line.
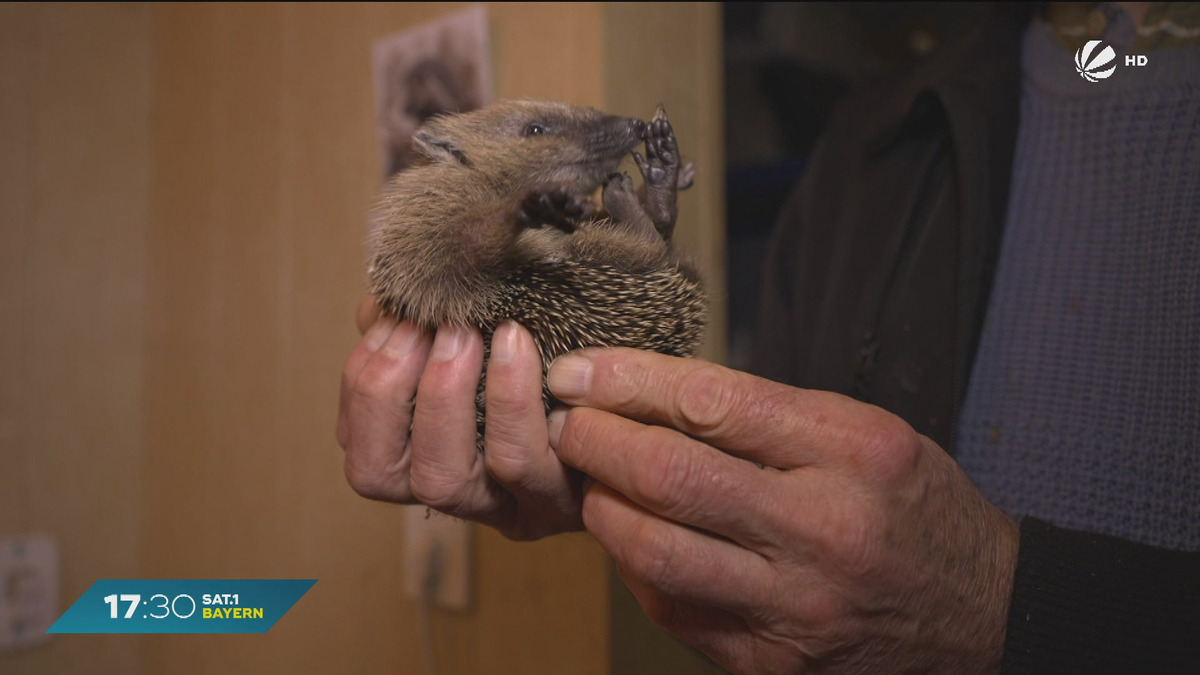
pixel 439 148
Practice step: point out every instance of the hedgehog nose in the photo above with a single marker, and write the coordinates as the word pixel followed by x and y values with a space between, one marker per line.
pixel 639 127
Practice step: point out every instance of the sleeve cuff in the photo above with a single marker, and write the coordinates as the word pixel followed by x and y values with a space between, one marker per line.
pixel 1091 603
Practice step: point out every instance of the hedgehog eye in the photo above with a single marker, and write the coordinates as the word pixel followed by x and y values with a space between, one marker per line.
pixel 533 129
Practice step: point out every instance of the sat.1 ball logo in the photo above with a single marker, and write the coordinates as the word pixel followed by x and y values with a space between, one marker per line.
pixel 1090 63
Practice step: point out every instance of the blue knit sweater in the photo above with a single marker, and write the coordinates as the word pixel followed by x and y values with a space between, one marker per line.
pixel 1083 406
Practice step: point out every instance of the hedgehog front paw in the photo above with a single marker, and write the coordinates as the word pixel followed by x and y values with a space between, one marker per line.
pixel 555 206
pixel 662 173
pixel 660 166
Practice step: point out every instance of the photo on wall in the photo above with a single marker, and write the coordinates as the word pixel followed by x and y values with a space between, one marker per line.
pixel 438 67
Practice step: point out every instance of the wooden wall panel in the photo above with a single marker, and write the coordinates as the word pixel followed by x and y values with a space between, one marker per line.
pixel 74 196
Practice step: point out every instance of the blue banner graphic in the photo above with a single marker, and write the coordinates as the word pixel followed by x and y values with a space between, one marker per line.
pixel 182 606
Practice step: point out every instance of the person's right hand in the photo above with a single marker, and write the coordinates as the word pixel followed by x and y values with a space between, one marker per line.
pixel 517 486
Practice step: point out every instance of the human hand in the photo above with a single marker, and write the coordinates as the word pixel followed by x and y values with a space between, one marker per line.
pixel 860 547
pixel 518 485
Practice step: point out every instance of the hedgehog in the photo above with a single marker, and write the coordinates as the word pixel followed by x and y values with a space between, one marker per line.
pixel 497 221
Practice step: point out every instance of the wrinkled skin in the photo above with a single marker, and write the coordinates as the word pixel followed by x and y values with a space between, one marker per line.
pixel 858 547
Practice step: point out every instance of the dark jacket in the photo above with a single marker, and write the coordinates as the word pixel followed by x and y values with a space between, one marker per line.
pixel 876 286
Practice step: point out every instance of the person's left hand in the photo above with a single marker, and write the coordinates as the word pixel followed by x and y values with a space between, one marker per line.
pixel 407 425
pixel 860 546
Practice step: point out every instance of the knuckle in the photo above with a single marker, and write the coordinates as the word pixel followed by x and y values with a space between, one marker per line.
pixel 434 490
pixel 507 463
pixel 651 555
pixel 579 427
pixel 372 484
pixel 376 381
pixel 860 547
pixel 707 396
pixel 511 424
pixel 824 615
pixel 624 380
pixel 511 409
pixel 666 481
pixel 853 535
pixel 888 449
pixel 365 483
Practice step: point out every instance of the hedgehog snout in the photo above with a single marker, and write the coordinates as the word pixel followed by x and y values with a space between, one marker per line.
pixel 613 137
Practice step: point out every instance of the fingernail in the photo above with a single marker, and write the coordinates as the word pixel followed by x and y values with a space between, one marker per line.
pixel 554 425
pixel 448 343
pixel 570 376
pixel 378 334
pixel 504 343
pixel 403 340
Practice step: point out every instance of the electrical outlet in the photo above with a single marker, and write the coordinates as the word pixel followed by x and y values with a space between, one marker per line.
pixel 28 590
pixel 437 558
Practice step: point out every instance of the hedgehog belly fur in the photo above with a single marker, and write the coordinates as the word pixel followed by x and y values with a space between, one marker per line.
pixel 568 306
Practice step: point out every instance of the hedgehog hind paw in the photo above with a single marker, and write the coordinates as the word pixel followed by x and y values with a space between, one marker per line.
pixel 554 206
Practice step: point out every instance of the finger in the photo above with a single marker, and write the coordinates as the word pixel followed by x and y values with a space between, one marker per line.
pixel 517 451
pixel 379 411
pixel 673 475
pixel 723 636
pixel 677 561
pixel 757 419
pixel 447 471
pixel 370 343
pixel 368 312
